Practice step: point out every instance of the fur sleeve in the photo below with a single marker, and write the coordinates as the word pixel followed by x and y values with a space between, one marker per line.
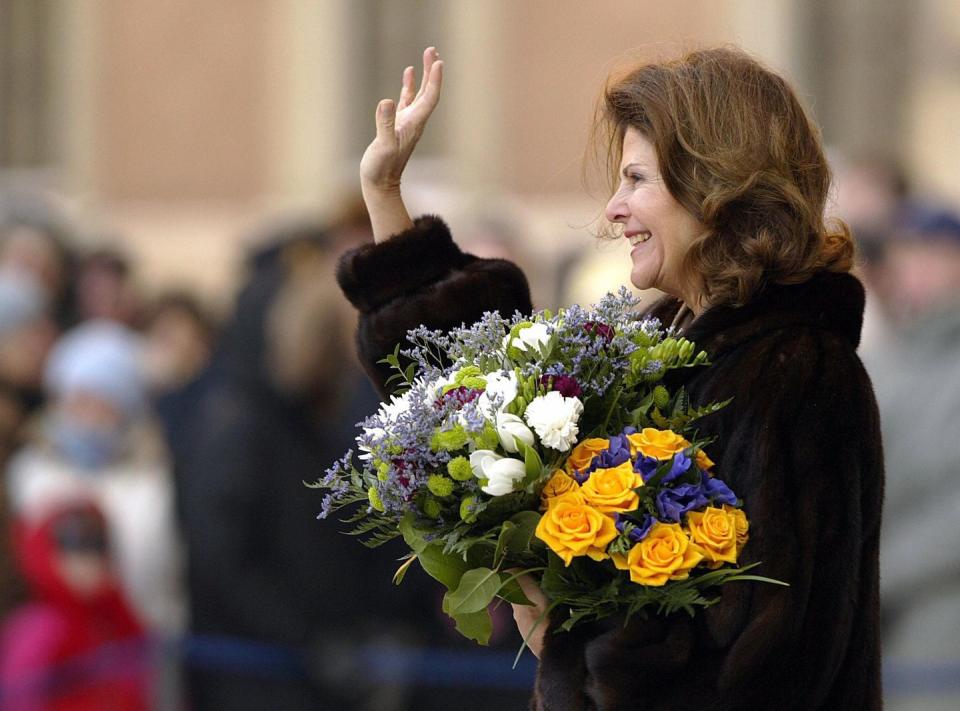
pixel 420 277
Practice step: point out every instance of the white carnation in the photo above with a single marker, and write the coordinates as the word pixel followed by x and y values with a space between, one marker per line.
pixel 510 428
pixel 554 418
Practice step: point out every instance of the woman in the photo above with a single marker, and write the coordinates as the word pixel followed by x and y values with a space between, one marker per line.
pixel 721 185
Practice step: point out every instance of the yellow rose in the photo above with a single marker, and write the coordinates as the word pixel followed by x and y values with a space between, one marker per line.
pixel 571 528
pixel 741 524
pixel 665 554
pixel 583 454
pixel 715 531
pixel 703 461
pixel 612 490
pixel 558 485
pixel 660 444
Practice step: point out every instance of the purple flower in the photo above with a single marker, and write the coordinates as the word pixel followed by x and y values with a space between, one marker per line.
pixel 672 504
pixel 564 384
pixel 646 467
pixel 613 456
pixel 596 328
pixel 681 464
pixel 639 531
pixel 718 492
pixel 460 396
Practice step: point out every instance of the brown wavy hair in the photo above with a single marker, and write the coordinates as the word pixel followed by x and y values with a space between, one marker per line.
pixel 736 150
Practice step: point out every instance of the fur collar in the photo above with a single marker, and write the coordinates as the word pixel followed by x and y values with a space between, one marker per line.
pixel 828 301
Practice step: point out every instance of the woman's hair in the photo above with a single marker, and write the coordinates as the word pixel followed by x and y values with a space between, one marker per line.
pixel 736 150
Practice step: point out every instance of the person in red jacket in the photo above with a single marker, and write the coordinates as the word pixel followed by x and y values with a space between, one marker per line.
pixel 76 645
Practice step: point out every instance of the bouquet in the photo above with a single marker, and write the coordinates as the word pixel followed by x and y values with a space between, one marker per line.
pixel 546 445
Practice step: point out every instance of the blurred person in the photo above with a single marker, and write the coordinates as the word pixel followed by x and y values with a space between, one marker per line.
pixel 26 335
pixel 916 374
pixel 179 338
pixel 76 644
pixel 264 575
pixel 35 240
pixel 95 439
pixel 873 196
pixel 104 288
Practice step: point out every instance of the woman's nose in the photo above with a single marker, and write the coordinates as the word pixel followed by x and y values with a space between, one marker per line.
pixel 617 209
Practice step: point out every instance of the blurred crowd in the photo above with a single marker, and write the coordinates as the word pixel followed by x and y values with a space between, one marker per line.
pixel 159 547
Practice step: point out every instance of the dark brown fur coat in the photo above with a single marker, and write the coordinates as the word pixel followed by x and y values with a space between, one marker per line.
pixel 800 442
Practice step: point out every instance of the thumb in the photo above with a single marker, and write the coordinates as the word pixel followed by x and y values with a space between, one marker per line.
pixel 386 116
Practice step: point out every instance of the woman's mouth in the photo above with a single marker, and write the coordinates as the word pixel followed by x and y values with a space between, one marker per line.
pixel 636 238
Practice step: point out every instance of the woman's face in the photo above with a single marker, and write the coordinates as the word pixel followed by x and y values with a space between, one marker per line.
pixel 659 229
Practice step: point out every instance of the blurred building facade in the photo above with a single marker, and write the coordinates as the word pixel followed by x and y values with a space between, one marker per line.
pixel 176 124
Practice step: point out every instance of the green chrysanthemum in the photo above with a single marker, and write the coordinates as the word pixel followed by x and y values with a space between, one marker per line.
pixel 440 485
pixel 467 509
pixel 488 438
pixel 449 440
pixel 374 496
pixel 432 508
pixel 383 471
pixel 459 469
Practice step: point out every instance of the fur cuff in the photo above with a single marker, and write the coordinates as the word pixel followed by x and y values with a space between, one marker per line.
pixel 375 274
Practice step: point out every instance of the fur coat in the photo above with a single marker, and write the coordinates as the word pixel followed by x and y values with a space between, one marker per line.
pixel 800 443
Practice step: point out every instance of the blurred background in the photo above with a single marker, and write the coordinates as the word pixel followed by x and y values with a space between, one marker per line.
pixel 176 181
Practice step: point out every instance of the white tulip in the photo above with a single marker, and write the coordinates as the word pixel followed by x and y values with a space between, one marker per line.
pixel 501 388
pixel 532 337
pixel 481 460
pixel 503 475
pixel 500 472
pixel 511 428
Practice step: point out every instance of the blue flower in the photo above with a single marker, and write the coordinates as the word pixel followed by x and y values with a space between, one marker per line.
pixel 672 504
pixel 681 464
pixel 646 467
pixel 638 531
pixel 718 492
pixel 613 456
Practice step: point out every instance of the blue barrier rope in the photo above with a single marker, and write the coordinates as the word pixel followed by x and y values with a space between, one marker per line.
pixel 376 664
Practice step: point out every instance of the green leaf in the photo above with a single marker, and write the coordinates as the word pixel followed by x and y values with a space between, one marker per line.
pixel 532 463
pixel 475 625
pixel 443 567
pixel 412 536
pixel 515 535
pixel 477 589
pixel 404 567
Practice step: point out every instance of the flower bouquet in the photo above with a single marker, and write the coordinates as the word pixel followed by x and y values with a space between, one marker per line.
pixel 548 445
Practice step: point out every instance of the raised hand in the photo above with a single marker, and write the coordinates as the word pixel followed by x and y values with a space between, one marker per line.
pixel 399 127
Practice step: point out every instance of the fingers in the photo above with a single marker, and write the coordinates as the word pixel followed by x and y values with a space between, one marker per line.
pixel 406 89
pixel 533 592
pixel 386 116
pixel 427 101
pixel 430 55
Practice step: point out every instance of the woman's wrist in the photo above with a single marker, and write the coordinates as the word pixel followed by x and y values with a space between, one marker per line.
pixel 388 213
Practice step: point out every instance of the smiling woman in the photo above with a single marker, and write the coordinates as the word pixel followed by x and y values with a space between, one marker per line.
pixel 719 184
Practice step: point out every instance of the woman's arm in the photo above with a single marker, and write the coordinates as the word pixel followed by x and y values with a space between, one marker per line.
pixel 399 127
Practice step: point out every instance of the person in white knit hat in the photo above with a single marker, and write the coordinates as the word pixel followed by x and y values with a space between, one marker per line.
pixel 96 440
